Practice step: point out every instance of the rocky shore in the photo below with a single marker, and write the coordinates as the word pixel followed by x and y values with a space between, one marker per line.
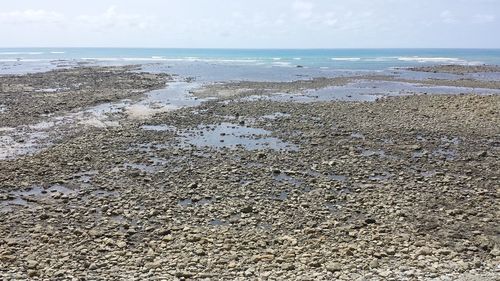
pixel 403 188
pixel 26 99
pixel 457 69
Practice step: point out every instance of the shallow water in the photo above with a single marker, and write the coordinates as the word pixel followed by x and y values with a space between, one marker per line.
pixel 29 139
pixel 26 198
pixel 228 135
pixel 368 91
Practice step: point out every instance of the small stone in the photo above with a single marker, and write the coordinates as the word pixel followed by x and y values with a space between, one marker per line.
pixel 482 154
pixel 424 251
pixel 390 251
pixel 184 274
pixel 288 266
pixel 370 221
pixel 247 209
pixel 333 267
pixel 93 266
pixel 44 216
pixel 168 238
pixel 32 273
pixel 374 263
pixel 495 252
pixel 32 264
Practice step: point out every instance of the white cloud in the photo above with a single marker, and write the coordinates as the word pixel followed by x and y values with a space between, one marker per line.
pixel 483 18
pixel 31 16
pixel 448 17
pixel 111 18
pixel 304 9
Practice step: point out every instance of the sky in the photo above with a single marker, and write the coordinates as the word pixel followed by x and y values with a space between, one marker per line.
pixel 251 23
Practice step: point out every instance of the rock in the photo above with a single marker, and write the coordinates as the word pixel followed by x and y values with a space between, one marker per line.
pixel 32 273
pixel 184 274
pixel 495 252
pixel 93 266
pixel 288 266
pixel 424 251
pixel 168 238
pixel 32 264
pixel 390 251
pixel 43 216
pixel 370 221
pixel 482 154
pixel 247 209
pixel 374 263
pixel 333 267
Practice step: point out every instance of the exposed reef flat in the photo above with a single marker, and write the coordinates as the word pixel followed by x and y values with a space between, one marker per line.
pixel 403 188
pixel 34 97
pixel 457 69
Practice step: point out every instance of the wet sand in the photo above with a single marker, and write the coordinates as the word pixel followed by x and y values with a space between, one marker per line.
pixel 401 188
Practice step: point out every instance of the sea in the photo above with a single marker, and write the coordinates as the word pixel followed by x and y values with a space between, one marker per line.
pixel 243 64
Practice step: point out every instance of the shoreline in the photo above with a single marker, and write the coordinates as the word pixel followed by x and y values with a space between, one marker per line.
pixel 403 187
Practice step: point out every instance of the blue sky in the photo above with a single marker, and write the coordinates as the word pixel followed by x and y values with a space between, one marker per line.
pixel 251 23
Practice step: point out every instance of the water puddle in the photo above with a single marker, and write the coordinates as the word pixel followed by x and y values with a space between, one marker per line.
pixel 428 174
pixel 177 95
pixel 101 193
pixel 228 135
pixel 357 135
pixel 217 222
pixel 52 90
pixel 447 154
pixel 190 202
pixel 282 196
pixel 338 178
pixel 454 140
pixel 30 139
pixel 283 177
pixel 371 152
pixel 25 198
pixel 85 177
pixel 368 91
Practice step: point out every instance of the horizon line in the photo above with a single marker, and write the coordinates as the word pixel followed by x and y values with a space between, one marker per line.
pixel 259 48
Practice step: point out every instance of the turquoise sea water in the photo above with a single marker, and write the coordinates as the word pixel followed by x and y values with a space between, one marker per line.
pixel 351 58
pixel 219 64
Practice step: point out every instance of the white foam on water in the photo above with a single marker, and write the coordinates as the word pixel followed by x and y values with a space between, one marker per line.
pixel 21 53
pixel 282 64
pixel 57 52
pixel 346 59
pixel 432 59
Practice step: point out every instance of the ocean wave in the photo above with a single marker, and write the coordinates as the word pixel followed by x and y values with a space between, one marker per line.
pixel 346 59
pixel 282 64
pixel 24 60
pixel 297 58
pixel 20 53
pixel 57 52
pixel 186 59
pixel 431 59
pixel 381 59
